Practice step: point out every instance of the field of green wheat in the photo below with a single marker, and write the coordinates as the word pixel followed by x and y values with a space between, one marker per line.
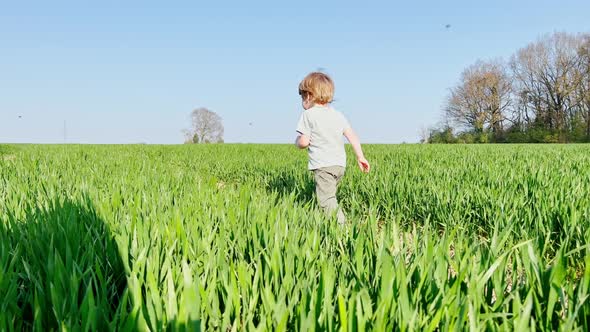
pixel 229 238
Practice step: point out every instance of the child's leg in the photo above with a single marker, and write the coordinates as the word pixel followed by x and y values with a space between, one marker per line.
pixel 326 184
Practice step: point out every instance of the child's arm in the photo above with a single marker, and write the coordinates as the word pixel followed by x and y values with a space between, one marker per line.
pixel 303 131
pixel 356 146
pixel 302 141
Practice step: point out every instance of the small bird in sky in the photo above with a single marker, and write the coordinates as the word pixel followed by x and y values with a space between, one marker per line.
pixel 20 116
pixel 250 123
pixel 448 26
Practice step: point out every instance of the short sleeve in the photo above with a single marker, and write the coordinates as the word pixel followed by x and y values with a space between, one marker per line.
pixel 304 126
pixel 344 123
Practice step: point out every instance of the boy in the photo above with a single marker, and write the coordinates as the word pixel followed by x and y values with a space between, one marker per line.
pixel 320 129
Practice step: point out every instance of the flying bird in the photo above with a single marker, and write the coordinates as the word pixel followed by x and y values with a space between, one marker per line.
pixel 20 116
pixel 448 26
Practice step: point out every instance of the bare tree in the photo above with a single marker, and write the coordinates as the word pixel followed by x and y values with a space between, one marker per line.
pixel 424 134
pixel 482 98
pixel 584 86
pixel 547 78
pixel 206 127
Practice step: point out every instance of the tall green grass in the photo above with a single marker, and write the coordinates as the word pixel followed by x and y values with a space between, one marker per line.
pixel 228 237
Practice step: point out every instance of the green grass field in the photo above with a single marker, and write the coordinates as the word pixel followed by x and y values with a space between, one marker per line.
pixel 229 237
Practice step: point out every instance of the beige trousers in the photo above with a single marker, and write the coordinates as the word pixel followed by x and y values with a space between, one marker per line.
pixel 326 184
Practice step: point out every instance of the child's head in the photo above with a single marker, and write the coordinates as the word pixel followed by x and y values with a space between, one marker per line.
pixel 316 89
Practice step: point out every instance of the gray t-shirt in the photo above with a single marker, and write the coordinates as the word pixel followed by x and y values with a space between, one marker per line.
pixel 324 126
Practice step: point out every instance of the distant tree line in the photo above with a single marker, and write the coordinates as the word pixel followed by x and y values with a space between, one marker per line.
pixel 541 95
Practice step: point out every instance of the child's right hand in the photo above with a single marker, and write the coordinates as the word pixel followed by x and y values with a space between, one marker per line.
pixel 364 164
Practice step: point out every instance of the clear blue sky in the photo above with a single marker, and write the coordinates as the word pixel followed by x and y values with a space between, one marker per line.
pixel 128 72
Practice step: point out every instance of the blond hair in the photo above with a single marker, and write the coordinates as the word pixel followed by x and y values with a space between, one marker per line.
pixel 318 86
